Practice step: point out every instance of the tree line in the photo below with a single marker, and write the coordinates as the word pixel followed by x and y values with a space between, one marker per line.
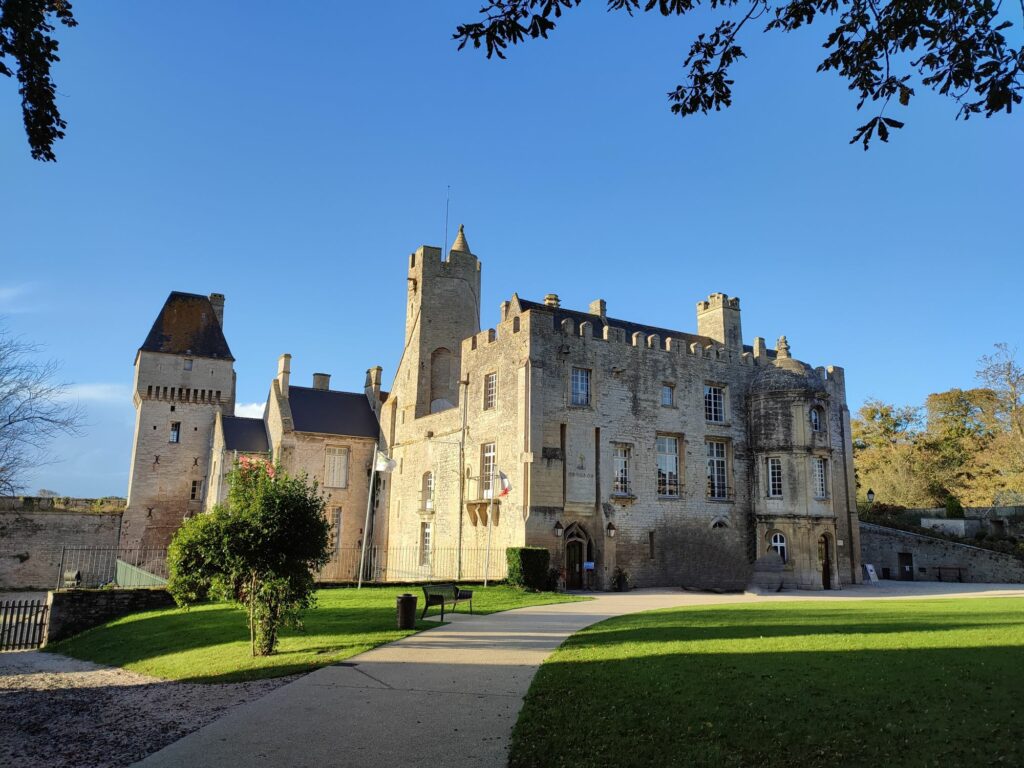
pixel 963 447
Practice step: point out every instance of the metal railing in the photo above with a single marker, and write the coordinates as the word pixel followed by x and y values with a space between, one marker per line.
pixel 93 567
pixel 22 624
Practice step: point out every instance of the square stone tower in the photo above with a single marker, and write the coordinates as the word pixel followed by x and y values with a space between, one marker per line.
pixel 184 376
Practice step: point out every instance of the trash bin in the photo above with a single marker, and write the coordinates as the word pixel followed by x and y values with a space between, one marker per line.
pixel 406 608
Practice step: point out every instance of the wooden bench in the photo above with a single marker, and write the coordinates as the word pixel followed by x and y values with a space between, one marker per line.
pixel 439 594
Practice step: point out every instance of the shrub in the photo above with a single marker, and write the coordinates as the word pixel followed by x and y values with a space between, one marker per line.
pixel 528 567
pixel 258 551
pixel 954 509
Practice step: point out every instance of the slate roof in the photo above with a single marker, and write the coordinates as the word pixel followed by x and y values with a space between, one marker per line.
pixel 245 435
pixel 187 325
pixel 330 412
pixel 599 324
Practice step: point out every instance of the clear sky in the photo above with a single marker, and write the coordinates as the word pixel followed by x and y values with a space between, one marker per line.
pixel 291 156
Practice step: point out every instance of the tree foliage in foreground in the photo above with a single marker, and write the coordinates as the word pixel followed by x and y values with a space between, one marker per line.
pixel 27 51
pixel 259 551
pixel 883 49
pixel 964 446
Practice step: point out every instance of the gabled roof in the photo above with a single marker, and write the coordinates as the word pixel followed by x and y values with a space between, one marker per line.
pixel 630 328
pixel 245 435
pixel 330 412
pixel 187 325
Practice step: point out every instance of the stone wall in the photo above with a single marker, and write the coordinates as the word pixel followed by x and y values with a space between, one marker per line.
pixel 935 559
pixel 31 543
pixel 75 610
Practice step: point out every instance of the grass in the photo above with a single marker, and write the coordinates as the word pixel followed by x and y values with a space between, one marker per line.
pixel 912 683
pixel 210 643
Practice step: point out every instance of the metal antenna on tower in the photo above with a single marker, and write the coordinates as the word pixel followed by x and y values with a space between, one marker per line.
pixel 447 200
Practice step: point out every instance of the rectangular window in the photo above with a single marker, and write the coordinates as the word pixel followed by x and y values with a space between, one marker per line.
pixel 175 432
pixel 336 528
pixel 425 536
pixel 620 482
pixel 718 487
pixel 197 490
pixel 490 390
pixel 428 491
pixel 775 478
pixel 668 395
pixel 188 365
pixel 336 467
pixel 581 386
pixel 714 403
pixel 819 478
pixel 668 465
pixel 488 454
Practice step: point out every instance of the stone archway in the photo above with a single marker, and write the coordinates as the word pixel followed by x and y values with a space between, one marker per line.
pixel 578 549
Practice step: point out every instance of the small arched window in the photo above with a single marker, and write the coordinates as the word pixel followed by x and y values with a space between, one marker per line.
pixel 719 524
pixel 515 325
pixel 816 419
pixel 428 491
pixel 778 545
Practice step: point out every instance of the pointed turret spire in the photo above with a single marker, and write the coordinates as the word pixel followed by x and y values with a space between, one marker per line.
pixel 460 243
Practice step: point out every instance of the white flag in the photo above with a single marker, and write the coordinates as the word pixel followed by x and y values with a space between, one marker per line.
pixel 383 464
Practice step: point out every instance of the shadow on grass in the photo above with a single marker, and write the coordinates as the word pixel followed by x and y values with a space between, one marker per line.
pixel 913 708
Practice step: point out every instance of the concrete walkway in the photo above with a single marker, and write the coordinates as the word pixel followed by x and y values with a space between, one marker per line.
pixel 447 697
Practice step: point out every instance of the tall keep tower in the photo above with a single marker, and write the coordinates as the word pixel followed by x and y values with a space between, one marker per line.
pixel 184 375
pixel 443 308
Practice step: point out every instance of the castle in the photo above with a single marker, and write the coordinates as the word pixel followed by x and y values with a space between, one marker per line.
pixel 677 457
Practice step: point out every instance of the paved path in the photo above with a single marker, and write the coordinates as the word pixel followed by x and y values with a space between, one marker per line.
pixel 447 697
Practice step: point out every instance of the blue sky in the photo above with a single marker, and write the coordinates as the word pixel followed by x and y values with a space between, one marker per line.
pixel 292 159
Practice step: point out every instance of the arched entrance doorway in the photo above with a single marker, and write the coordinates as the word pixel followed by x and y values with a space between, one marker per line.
pixel 579 549
pixel 825 558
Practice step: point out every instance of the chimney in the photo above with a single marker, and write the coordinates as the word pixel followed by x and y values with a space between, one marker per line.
pixel 551 300
pixel 284 370
pixel 217 300
pixel 599 307
pixel 321 381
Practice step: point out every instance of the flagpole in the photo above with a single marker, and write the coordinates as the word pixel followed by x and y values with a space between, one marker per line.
pixel 366 523
pixel 490 519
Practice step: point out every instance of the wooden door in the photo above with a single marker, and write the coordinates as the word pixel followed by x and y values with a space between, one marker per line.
pixel 906 560
pixel 826 562
pixel 574 564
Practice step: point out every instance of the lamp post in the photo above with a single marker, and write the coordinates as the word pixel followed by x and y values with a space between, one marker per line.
pixel 871 498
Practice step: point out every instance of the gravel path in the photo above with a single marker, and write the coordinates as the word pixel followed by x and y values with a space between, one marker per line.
pixel 58 712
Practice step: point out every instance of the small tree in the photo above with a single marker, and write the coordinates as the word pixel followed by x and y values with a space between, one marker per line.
pixel 259 550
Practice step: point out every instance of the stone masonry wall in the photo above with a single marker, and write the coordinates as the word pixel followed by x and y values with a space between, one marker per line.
pixel 881 546
pixel 75 610
pixel 31 542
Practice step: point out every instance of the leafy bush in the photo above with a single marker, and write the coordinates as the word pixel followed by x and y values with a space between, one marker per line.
pixel 954 509
pixel 528 567
pixel 258 551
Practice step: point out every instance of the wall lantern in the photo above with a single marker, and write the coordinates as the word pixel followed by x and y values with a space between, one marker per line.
pixel 871 496
pixel 610 528
pixel 558 528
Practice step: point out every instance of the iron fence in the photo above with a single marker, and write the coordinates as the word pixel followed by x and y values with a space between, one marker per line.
pixel 384 564
pixel 22 624
pixel 93 567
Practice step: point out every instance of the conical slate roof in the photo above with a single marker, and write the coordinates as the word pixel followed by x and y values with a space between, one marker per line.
pixel 187 325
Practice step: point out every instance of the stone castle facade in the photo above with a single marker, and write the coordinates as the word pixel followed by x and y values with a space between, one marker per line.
pixel 677 457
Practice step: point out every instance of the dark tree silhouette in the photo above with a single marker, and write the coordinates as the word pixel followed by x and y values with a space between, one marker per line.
pixel 882 48
pixel 27 49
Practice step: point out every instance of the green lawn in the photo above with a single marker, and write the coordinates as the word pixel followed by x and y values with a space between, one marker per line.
pixel 210 643
pixel 907 683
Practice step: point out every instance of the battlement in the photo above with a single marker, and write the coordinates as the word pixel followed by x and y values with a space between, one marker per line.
pixel 717 301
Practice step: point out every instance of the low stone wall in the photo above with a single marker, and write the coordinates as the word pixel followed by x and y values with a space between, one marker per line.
pixel 76 610
pixel 31 543
pixel 934 559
